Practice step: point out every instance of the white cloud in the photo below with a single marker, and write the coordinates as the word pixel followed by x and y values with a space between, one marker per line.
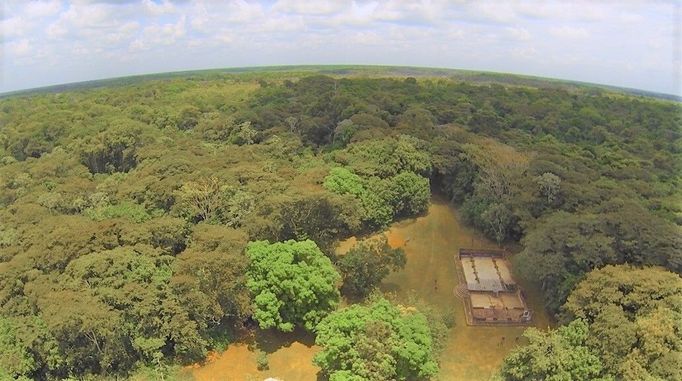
pixel 310 7
pixel 366 38
pixel 581 39
pixel 411 11
pixel 122 32
pixel 225 37
pixel 524 53
pixel 520 34
pixel 19 48
pixel 87 20
pixel 56 30
pixel 22 19
pixel 454 33
pixel 40 9
pixel 569 32
pixel 13 27
pixel 158 9
pixel 160 35
pixel 499 12
pixel 206 16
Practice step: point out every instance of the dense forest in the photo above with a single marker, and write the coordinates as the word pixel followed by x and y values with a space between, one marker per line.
pixel 143 224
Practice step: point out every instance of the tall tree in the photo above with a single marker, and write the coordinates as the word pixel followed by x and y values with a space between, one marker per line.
pixel 377 342
pixel 634 316
pixel 367 263
pixel 293 284
pixel 558 355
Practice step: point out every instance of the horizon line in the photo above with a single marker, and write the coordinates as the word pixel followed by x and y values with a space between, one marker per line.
pixel 264 68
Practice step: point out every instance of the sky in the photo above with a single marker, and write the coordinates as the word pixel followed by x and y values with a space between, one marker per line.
pixel 623 43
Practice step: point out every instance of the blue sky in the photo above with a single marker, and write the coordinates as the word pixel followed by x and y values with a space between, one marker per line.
pixel 623 43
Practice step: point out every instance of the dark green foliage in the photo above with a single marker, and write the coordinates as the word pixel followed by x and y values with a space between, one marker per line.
pixel 210 275
pixel 318 216
pixel 262 360
pixel 386 177
pixel 128 210
pixel 188 118
pixel 378 342
pixel 565 246
pixel 562 249
pixel 109 310
pixel 410 194
pixel 16 361
pixel 153 316
pixel 114 149
pixel 366 264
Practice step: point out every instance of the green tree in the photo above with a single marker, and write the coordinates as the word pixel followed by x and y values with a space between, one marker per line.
pixel 200 198
pixel 91 333
pixel 560 250
pixel 115 148
pixel 188 118
pixel 563 246
pixel 160 270
pixel 548 184
pixel 102 286
pixel 293 284
pixel 366 264
pixel 634 315
pixel 319 216
pixel 387 157
pixel 134 212
pixel 498 218
pixel 382 199
pixel 244 134
pixel 413 155
pixel 344 132
pixel 641 237
pixel 210 276
pixel 208 199
pixel 558 355
pixel 377 342
pixel 410 194
pixel 15 357
pixel 377 212
pixel 342 181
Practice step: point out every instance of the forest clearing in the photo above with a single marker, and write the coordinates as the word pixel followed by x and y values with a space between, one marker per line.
pixel 471 353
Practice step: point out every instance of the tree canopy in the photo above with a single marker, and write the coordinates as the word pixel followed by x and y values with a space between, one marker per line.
pixel 623 325
pixel 560 355
pixel 293 283
pixel 133 204
pixel 634 316
pixel 377 342
pixel 366 264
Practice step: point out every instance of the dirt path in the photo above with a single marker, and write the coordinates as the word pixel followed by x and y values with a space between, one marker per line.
pixel 290 358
